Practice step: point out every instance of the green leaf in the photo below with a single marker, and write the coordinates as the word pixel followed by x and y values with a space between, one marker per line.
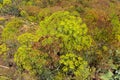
pixel 107 76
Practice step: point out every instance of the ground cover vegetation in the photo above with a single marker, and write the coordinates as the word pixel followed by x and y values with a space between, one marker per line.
pixel 59 39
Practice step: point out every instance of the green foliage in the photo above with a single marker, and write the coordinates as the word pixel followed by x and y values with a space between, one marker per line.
pixel 26 39
pixel 43 13
pixel 107 76
pixel 68 29
pixel 116 27
pixel 102 35
pixel 116 58
pixel 4 78
pixel 30 59
pixel 1 5
pixel 32 18
pixel 9 7
pixel 23 13
pixel 47 41
pixel 10 10
pixel 75 64
pixel 46 3
pixel 59 76
pixel 7 2
pixel 117 75
pixel 46 75
pixel 111 76
pixel 3 48
pixel 11 29
pixel 60 47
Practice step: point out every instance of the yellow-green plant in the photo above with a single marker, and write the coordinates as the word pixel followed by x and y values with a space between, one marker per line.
pixel 68 29
pixel 7 2
pixel 11 30
pixel 1 5
pixel 74 64
pixel 3 48
pixel 24 13
pixel 116 27
pixel 26 39
pixel 30 59
pixel 43 13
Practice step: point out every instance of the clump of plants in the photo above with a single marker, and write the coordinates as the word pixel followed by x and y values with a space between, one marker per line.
pixel 30 60
pixel 27 39
pixel 68 30
pixel 74 65
pixel 11 30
